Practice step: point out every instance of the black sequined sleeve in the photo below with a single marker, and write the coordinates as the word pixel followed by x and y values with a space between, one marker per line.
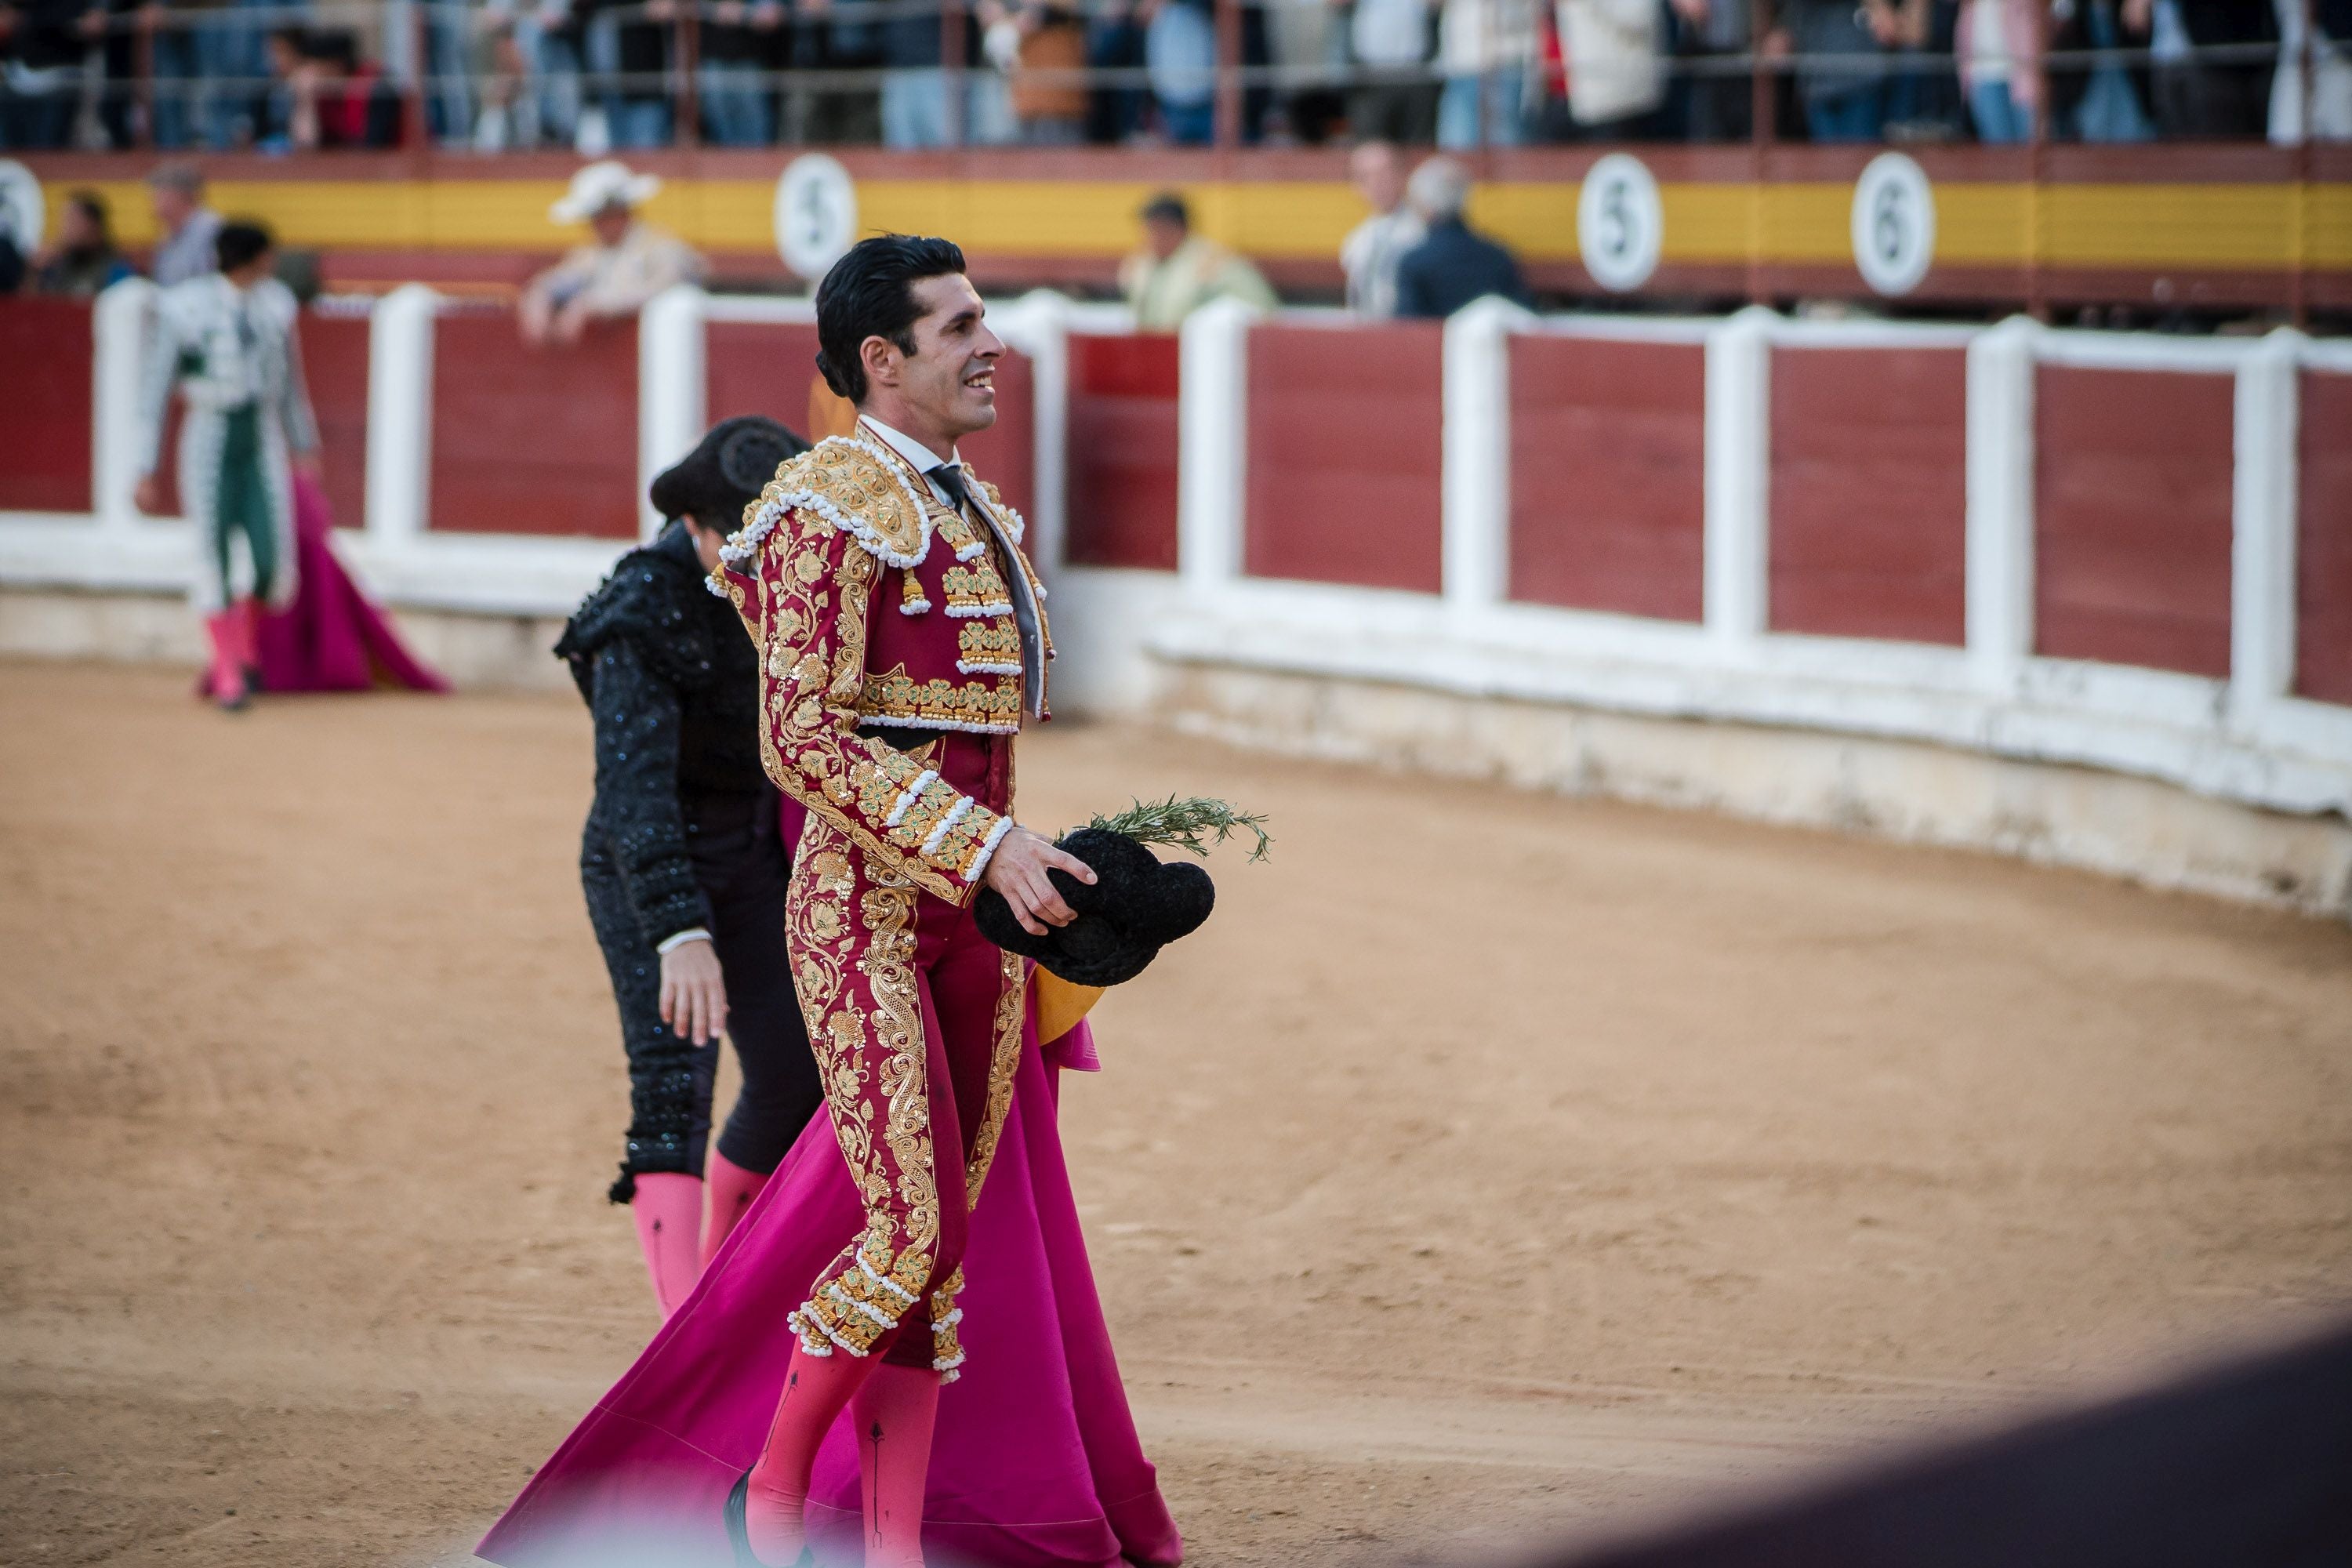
pixel 639 724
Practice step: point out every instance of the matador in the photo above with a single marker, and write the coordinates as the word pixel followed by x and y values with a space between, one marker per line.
pixel 902 638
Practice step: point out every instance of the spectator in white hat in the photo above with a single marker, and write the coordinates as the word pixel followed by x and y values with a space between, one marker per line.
pixel 627 264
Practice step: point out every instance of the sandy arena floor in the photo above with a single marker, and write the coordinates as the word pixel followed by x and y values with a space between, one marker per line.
pixel 1491 1163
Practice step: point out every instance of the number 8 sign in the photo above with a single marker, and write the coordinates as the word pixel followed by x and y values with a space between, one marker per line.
pixel 1893 224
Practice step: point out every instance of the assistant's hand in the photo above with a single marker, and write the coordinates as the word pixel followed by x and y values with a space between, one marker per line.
pixel 693 991
pixel 1017 870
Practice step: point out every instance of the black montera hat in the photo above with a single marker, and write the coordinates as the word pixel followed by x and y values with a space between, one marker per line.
pixel 1138 904
pixel 724 474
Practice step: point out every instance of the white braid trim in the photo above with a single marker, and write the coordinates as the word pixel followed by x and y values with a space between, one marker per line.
pixel 947 1364
pixel 901 721
pixel 805 1320
pixel 906 803
pixel 867 1268
pixel 914 606
pixel 964 668
pixel 710 585
pixel 980 863
pixel 745 541
pixel 967 612
pixel 955 1316
pixel 973 550
pixel 956 813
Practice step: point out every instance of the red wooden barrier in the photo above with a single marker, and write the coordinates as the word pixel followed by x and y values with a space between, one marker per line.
pixel 760 367
pixel 533 442
pixel 1121 446
pixel 1608 454
pixel 45 460
pixel 335 364
pixel 1869 501
pixel 2323 658
pixel 1345 447
pixel 2132 508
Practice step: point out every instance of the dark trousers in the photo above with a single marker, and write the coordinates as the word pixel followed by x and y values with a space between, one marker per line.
pixel 741 863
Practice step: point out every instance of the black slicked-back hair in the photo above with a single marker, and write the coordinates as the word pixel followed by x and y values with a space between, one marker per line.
pixel 870 293
pixel 238 243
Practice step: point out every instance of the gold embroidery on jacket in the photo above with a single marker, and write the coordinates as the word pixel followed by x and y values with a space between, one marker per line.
pixel 992 647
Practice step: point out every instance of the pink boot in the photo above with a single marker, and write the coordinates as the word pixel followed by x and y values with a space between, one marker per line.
pixel 774 1494
pixel 668 1210
pixel 892 1415
pixel 733 1188
pixel 246 614
pixel 225 681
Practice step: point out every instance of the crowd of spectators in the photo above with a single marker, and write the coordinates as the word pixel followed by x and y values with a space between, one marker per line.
pixel 599 74
pixel 78 257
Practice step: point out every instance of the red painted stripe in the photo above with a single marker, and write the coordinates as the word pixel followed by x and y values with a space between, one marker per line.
pixel 2132 504
pixel 1344 454
pixel 1608 452
pixel 1869 504
pixel 2324 541
pixel 1122 451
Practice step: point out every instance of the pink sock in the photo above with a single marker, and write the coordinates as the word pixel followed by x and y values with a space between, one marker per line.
pixel 668 1210
pixel 733 1188
pixel 247 615
pixel 815 1389
pixel 226 676
pixel 893 1415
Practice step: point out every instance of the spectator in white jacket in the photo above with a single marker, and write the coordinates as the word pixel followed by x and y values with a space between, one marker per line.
pixel 1615 53
pixel 1370 254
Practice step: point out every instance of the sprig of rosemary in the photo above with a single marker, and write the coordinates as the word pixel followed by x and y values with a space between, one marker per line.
pixel 1193 823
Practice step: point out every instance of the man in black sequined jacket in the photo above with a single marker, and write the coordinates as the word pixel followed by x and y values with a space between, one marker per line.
pixel 684 865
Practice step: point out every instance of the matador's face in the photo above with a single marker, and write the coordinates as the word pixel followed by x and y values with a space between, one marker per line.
pixel 951 377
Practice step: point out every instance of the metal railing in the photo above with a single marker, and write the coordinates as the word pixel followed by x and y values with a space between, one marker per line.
pixel 508 74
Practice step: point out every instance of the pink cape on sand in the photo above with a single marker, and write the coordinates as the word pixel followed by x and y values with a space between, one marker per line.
pixel 1035 1463
pixel 331 639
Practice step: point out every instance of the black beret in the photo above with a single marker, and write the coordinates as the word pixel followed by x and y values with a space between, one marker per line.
pixel 1138 904
pixel 724 474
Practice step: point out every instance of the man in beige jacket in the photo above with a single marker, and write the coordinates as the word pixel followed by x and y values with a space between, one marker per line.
pixel 627 264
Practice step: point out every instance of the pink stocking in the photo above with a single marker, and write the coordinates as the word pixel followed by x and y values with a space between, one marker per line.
pixel 815 1389
pixel 225 681
pixel 733 1188
pixel 668 1210
pixel 246 614
pixel 893 1415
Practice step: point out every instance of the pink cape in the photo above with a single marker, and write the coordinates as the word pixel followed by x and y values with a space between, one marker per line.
pixel 331 639
pixel 1035 1463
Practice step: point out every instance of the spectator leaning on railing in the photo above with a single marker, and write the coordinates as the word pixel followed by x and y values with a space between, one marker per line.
pixel 82 260
pixel 42 46
pixel 1717 104
pixel 1370 254
pixel 2205 98
pixel 1999 49
pixel 627 263
pixel 1451 265
pixel 1178 271
pixel 190 228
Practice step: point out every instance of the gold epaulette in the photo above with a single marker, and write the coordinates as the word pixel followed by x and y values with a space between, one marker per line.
pixel 848 481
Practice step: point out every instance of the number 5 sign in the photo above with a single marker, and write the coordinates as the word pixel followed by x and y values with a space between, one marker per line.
pixel 1620 223
pixel 816 214
pixel 1893 224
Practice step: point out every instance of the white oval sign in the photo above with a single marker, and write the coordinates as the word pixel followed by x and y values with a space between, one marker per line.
pixel 23 216
pixel 816 214
pixel 1893 224
pixel 1620 225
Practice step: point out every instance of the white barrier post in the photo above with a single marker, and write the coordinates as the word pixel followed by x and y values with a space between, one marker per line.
pixel 672 391
pixel 1038 325
pixel 1739 477
pixel 1999 469
pixel 1477 454
pixel 2264 493
pixel 1211 444
pixel 400 416
pixel 118 332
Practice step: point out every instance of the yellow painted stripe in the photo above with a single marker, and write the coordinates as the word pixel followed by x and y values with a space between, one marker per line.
pixel 2238 228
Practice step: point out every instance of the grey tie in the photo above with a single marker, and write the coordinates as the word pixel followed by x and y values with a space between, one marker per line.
pixel 949 477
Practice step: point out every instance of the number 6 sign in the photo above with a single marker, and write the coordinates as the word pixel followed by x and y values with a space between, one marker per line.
pixel 1893 224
